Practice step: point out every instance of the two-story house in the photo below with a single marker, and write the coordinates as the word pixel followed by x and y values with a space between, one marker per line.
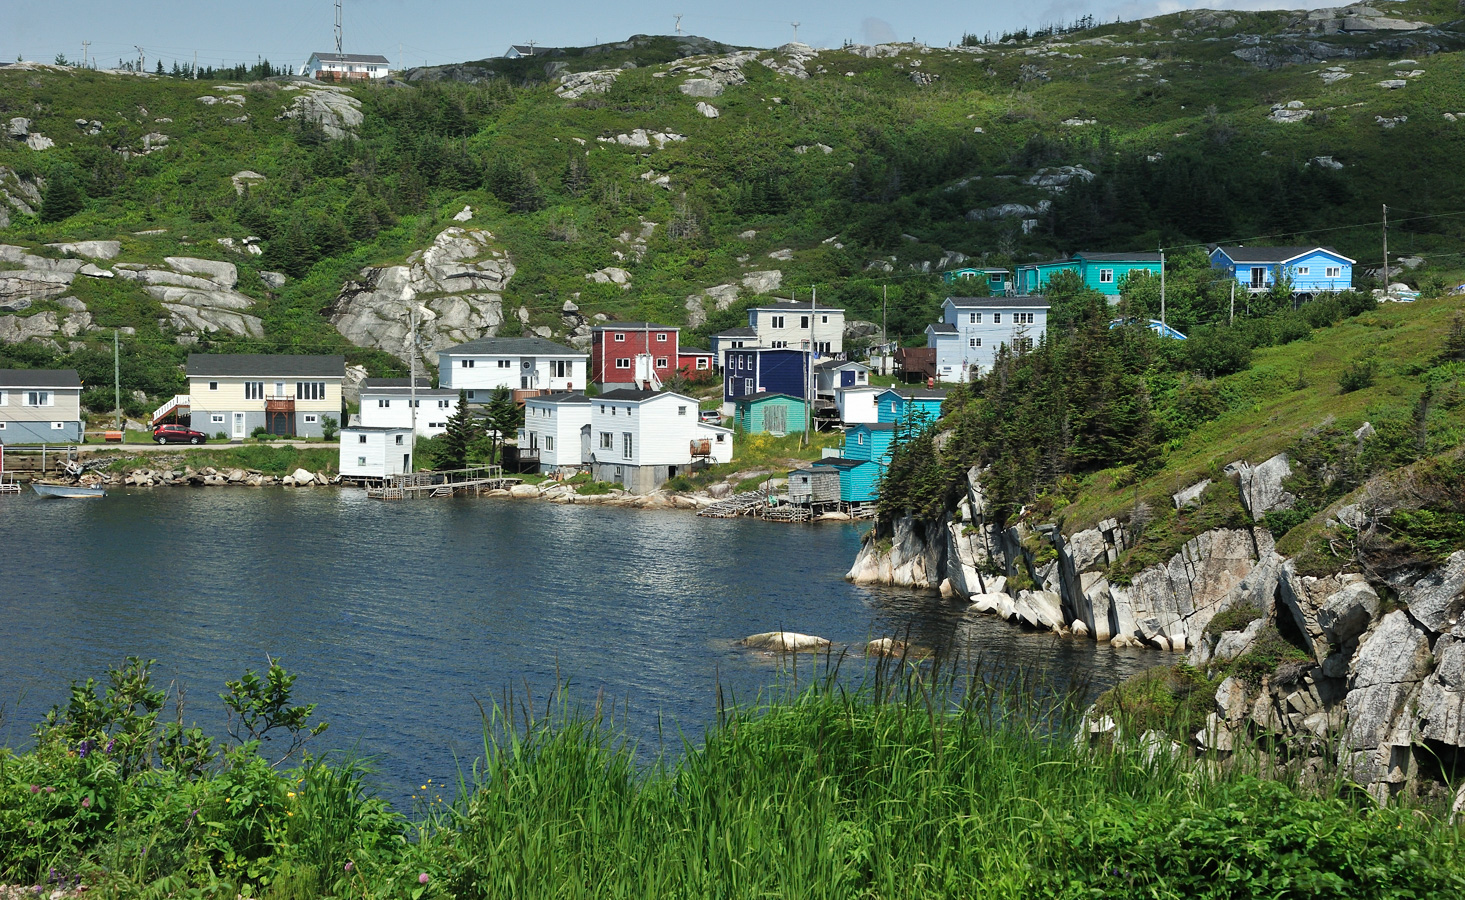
pixel 641 438
pixel 640 355
pixel 1310 270
pixel 372 454
pixel 799 325
pixel 387 403
pixel 40 406
pixel 973 328
pixel 754 370
pixel 235 393
pixel 732 339
pixel 1103 272
pixel 526 364
pixel 556 432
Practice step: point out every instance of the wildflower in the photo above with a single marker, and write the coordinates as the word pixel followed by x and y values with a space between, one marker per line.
pixel 110 744
pixel 289 813
pixel 290 794
pixel 35 789
pixel 86 803
pixel 50 790
pixel 84 748
pixel 422 879
pixel 350 865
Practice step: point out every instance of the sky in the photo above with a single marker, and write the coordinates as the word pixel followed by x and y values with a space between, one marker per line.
pixel 418 32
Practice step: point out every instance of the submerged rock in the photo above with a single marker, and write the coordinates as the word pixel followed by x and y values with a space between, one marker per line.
pixel 786 641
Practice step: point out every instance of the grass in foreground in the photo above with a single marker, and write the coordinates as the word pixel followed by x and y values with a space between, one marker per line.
pixel 973 788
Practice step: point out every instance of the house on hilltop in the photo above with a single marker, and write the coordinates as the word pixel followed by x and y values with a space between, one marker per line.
pixel 333 66
pixel 1310 270
pixel 1103 272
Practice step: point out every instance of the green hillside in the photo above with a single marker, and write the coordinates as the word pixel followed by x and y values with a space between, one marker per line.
pixel 924 147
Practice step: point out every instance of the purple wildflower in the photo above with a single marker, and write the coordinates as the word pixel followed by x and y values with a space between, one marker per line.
pixel 50 790
pixel 35 789
pixel 110 744
pixel 350 865
pixel 422 879
pixel 84 749
pixel 86 803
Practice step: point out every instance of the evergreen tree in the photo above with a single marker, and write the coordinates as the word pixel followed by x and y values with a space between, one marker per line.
pixel 461 432
pixel 61 198
pixel 503 417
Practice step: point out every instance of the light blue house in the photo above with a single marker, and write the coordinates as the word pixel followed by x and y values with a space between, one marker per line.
pixel 1155 325
pixel 973 328
pixel 894 404
pixel 1312 270
pixel 1103 272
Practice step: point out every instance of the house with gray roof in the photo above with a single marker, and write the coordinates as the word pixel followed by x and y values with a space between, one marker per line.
pixel 236 393
pixel 387 403
pixel 332 66
pixel 40 406
pixel 972 329
pixel 524 364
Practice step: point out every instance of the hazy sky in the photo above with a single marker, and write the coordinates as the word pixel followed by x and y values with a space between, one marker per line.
pixel 438 31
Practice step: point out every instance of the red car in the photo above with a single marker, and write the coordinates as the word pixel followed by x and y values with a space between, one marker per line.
pixel 177 434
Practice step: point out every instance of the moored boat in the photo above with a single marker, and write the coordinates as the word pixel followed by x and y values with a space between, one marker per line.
pixel 67 491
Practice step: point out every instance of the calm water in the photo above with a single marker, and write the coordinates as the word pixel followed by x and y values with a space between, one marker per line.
pixel 397 615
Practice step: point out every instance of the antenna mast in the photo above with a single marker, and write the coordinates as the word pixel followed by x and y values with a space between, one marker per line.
pixel 796 30
pixel 678 17
pixel 338 27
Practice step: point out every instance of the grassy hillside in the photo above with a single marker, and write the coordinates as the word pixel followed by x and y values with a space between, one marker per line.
pixel 1174 126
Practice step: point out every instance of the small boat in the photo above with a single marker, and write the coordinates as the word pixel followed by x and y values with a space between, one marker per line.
pixel 67 491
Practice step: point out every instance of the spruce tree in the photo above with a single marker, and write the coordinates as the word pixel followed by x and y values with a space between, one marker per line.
pixel 503 416
pixel 459 436
pixel 61 198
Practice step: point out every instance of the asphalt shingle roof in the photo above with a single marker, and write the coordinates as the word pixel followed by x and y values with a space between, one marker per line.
pixel 39 378
pixel 561 397
pixel 277 365
pixel 333 56
pixel 1026 301
pixel 1271 254
pixel 512 346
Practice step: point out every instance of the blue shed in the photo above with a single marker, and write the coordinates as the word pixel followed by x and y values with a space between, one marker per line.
pixel 892 405
pixel 769 412
pixel 1312 270
pixel 859 479
pixel 756 370
pixel 869 442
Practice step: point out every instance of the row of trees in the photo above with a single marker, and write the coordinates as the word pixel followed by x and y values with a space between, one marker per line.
pixel 472 438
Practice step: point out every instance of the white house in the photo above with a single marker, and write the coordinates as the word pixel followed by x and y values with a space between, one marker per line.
pixel 556 432
pixel 375 453
pixel 519 364
pixel 857 405
pixel 831 374
pixel 387 403
pixel 798 325
pixel 972 328
pixel 732 339
pixel 639 438
pixel 332 66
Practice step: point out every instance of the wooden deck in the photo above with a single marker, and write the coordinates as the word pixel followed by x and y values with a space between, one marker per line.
pixel 448 483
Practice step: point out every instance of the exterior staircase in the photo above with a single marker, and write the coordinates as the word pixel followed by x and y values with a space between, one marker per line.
pixel 179 403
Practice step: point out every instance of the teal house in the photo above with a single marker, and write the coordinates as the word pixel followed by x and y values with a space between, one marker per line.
pixel 1103 272
pixel 892 405
pixel 999 281
pixel 870 442
pixel 859 479
pixel 769 411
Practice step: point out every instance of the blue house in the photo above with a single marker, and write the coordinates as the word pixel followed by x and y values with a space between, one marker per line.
pixel 999 281
pixel 755 370
pixel 893 404
pixel 1103 272
pixel 870 442
pixel 1312 270
pixel 973 328
pixel 859 479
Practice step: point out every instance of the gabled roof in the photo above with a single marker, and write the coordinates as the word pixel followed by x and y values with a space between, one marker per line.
pixel 1025 301
pixel 737 333
pixel 635 395
pixel 873 426
pixel 1274 255
pixel 840 462
pixel 941 328
pixel 512 346
pixel 333 56
pixel 1117 257
pixel 558 398
pixel 838 364
pixel 766 395
pixel 917 393
pixel 798 305
pixel 203 365
pixel 683 350
pixel 39 378
pixel 634 326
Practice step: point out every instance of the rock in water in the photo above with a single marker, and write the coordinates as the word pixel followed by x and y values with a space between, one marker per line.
pixel 786 641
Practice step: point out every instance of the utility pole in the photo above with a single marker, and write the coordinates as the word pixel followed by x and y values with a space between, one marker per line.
pixel 1232 319
pixel 85 46
pixel 796 31
pixel 809 367
pixel 117 380
pixel 195 65
pixel 338 27
pixel 1162 285
pixel 412 385
pixel 884 336
pixel 678 17
pixel 1386 249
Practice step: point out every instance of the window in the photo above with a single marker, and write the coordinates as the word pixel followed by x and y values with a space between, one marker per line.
pixel 623 363
pixel 2 426
pixel 465 364
pixel 613 410
pixel 360 460
pixel 973 320
pixel 602 409
pixel 1023 318
pixel 681 410
pixel 1303 270
pixel 3 397
pixel 39 398
pixel 383 404
pixel 779 345
pixel 996 318
pixel 549 442
pixel 823 320
pixel 627 444
pixel 361 439
pixel 661 362
pixel 470 395
pixel 312 419
pixel 399 440
pixel 803 321
pixel 703 362
pixel 775 321
pixel 821 346
pixel 1023 345
pixel 310 390
pixel 57 426
pixel 216 418
pixel 1106 276
pixel 254 390
pixel 505 364
pixel 1334 271
pixel 973 342
pixel 561 369
pixel 213 385
pixel 607 442
pixel 747 385
pixel 661 336
pixel 620 336
pixel 860 438
pixel 720 436
pixel 442 404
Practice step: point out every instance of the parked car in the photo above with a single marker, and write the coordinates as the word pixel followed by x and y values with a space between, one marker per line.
pixel 177 434
pixel 710 416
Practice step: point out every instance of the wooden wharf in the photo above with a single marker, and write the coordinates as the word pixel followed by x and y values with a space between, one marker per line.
pixel 475 481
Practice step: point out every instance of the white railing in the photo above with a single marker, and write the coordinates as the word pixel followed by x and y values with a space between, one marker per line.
pixel 168 408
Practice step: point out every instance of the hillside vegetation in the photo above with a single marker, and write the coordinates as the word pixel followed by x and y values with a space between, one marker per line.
pixel 860 172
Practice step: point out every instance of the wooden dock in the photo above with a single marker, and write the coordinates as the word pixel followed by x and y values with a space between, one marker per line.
pixel 755 505
pixel 474 482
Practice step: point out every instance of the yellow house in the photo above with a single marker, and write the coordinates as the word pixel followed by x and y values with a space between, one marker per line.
pixel 235 393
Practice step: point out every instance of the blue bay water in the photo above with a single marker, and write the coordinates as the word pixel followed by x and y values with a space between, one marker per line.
pixel 401 617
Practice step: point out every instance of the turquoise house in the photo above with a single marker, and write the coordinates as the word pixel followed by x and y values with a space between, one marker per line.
pixel 769 411
pixel 1103 272
pixel 870 442
pixel 892 405
pixel 999 281
pixel 859 479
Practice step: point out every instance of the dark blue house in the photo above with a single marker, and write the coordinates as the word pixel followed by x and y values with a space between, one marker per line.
pixel 754 370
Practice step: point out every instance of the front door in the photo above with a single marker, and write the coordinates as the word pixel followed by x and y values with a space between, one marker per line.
pixel 407 463
pixel 847 378
pixel 775 419
pixel 239 426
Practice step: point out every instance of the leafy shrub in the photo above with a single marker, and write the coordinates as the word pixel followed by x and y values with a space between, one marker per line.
pixel 595 488
pixel 1359 375
pixel 681 484
pixel 1171 699
pixel 1267 656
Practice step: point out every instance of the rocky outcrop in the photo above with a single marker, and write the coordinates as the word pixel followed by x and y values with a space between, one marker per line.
pixel 460 279
pixel 330 106
pixel 198 294
pixel 18 196
pixel 581 84
pixel 913 554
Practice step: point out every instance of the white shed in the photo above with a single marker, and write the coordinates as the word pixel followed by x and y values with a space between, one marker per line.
pixel 375 453
pixel 556 431
pixel 857 405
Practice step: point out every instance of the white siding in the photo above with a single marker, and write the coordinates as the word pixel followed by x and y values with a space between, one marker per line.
pixel 660 435
pixel 976 342
pixel 489 372
pixel 857 405
pixel 374 454
pixel 797 326
pixel 556 429
pixel 433 409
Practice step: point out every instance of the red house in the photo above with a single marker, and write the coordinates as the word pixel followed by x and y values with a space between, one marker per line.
pixel 633 354
pixel 693 361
